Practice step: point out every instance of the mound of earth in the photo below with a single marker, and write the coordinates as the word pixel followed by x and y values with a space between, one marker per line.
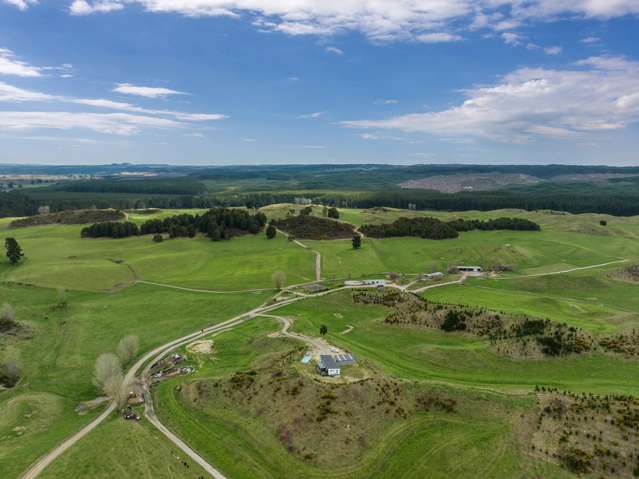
pixel 585 433
pixel 201 347
pixel 72 217
pixel 314 228
pixel 308 416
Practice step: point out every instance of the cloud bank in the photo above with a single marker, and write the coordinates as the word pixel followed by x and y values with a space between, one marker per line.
pixel 596 94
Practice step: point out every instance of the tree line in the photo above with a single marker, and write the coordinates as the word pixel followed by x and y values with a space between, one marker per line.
pixel 218 224
pixel 433 228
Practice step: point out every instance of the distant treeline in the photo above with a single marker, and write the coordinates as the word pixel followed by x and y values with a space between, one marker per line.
pixel 17 204
pixel 583 200
pixel 433 228
pixel 218 224
pixel 160 186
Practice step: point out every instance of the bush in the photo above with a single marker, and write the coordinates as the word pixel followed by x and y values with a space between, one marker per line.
pixel 107 366
pixel 8 320
pixel 10 374
pixel 158 238
pixel 128 348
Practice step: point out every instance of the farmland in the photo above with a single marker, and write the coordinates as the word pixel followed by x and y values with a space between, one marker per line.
pixel 113 288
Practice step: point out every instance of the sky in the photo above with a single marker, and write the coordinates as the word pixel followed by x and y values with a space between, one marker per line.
pixel 219 82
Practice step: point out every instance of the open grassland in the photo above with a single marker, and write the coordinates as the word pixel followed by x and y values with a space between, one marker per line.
pixel 56 256
pixel 124 449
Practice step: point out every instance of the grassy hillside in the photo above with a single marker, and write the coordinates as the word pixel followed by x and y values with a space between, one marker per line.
pixel 60 343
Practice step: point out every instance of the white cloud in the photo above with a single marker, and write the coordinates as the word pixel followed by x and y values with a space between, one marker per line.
pixel 82 7
pixel 21 4
pixel 116 105
pixel 145 91
pixel 313 116
pixel 335 50
pixel 115 123
pixel 590 40
pixel 391 101
pixel 553 50
pixel 438 37
pixel 196 134
pixel 249 140
pixel 512 38
pixel 598 94
pixel 9 65
pixel 380 20
pixel 10 93
pixel 111 123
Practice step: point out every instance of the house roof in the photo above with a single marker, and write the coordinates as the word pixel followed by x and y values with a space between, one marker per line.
pixel 327 362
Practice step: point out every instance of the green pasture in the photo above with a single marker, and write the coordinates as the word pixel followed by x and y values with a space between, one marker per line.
pixel 432 355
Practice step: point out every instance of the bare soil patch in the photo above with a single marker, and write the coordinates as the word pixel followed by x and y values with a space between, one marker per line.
pixel 469 182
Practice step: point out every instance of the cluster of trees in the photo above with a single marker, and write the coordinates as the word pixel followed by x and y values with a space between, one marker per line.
pixel 217 223
pixel 160 186
pixel 111 229
pixel 433 228
pixel 107 374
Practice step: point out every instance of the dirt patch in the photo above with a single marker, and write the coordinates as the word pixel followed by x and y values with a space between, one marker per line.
pixel 584 433
pixel 201 347
pixel 74 217
pixel 88 406
pixel 469 182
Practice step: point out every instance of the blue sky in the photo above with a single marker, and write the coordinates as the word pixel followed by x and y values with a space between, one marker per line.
pixel 303 81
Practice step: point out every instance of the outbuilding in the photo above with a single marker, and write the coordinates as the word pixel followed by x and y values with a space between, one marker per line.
pixel 469 269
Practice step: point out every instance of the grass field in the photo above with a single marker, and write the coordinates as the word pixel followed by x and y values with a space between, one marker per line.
pixel 60 345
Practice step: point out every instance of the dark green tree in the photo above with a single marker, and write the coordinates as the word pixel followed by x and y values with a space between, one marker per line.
pixel 14 252
pixel 333 213
pixel 357 241
pixel 158 238
pixel 271 231
pixel 306 211
pixel 323 329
